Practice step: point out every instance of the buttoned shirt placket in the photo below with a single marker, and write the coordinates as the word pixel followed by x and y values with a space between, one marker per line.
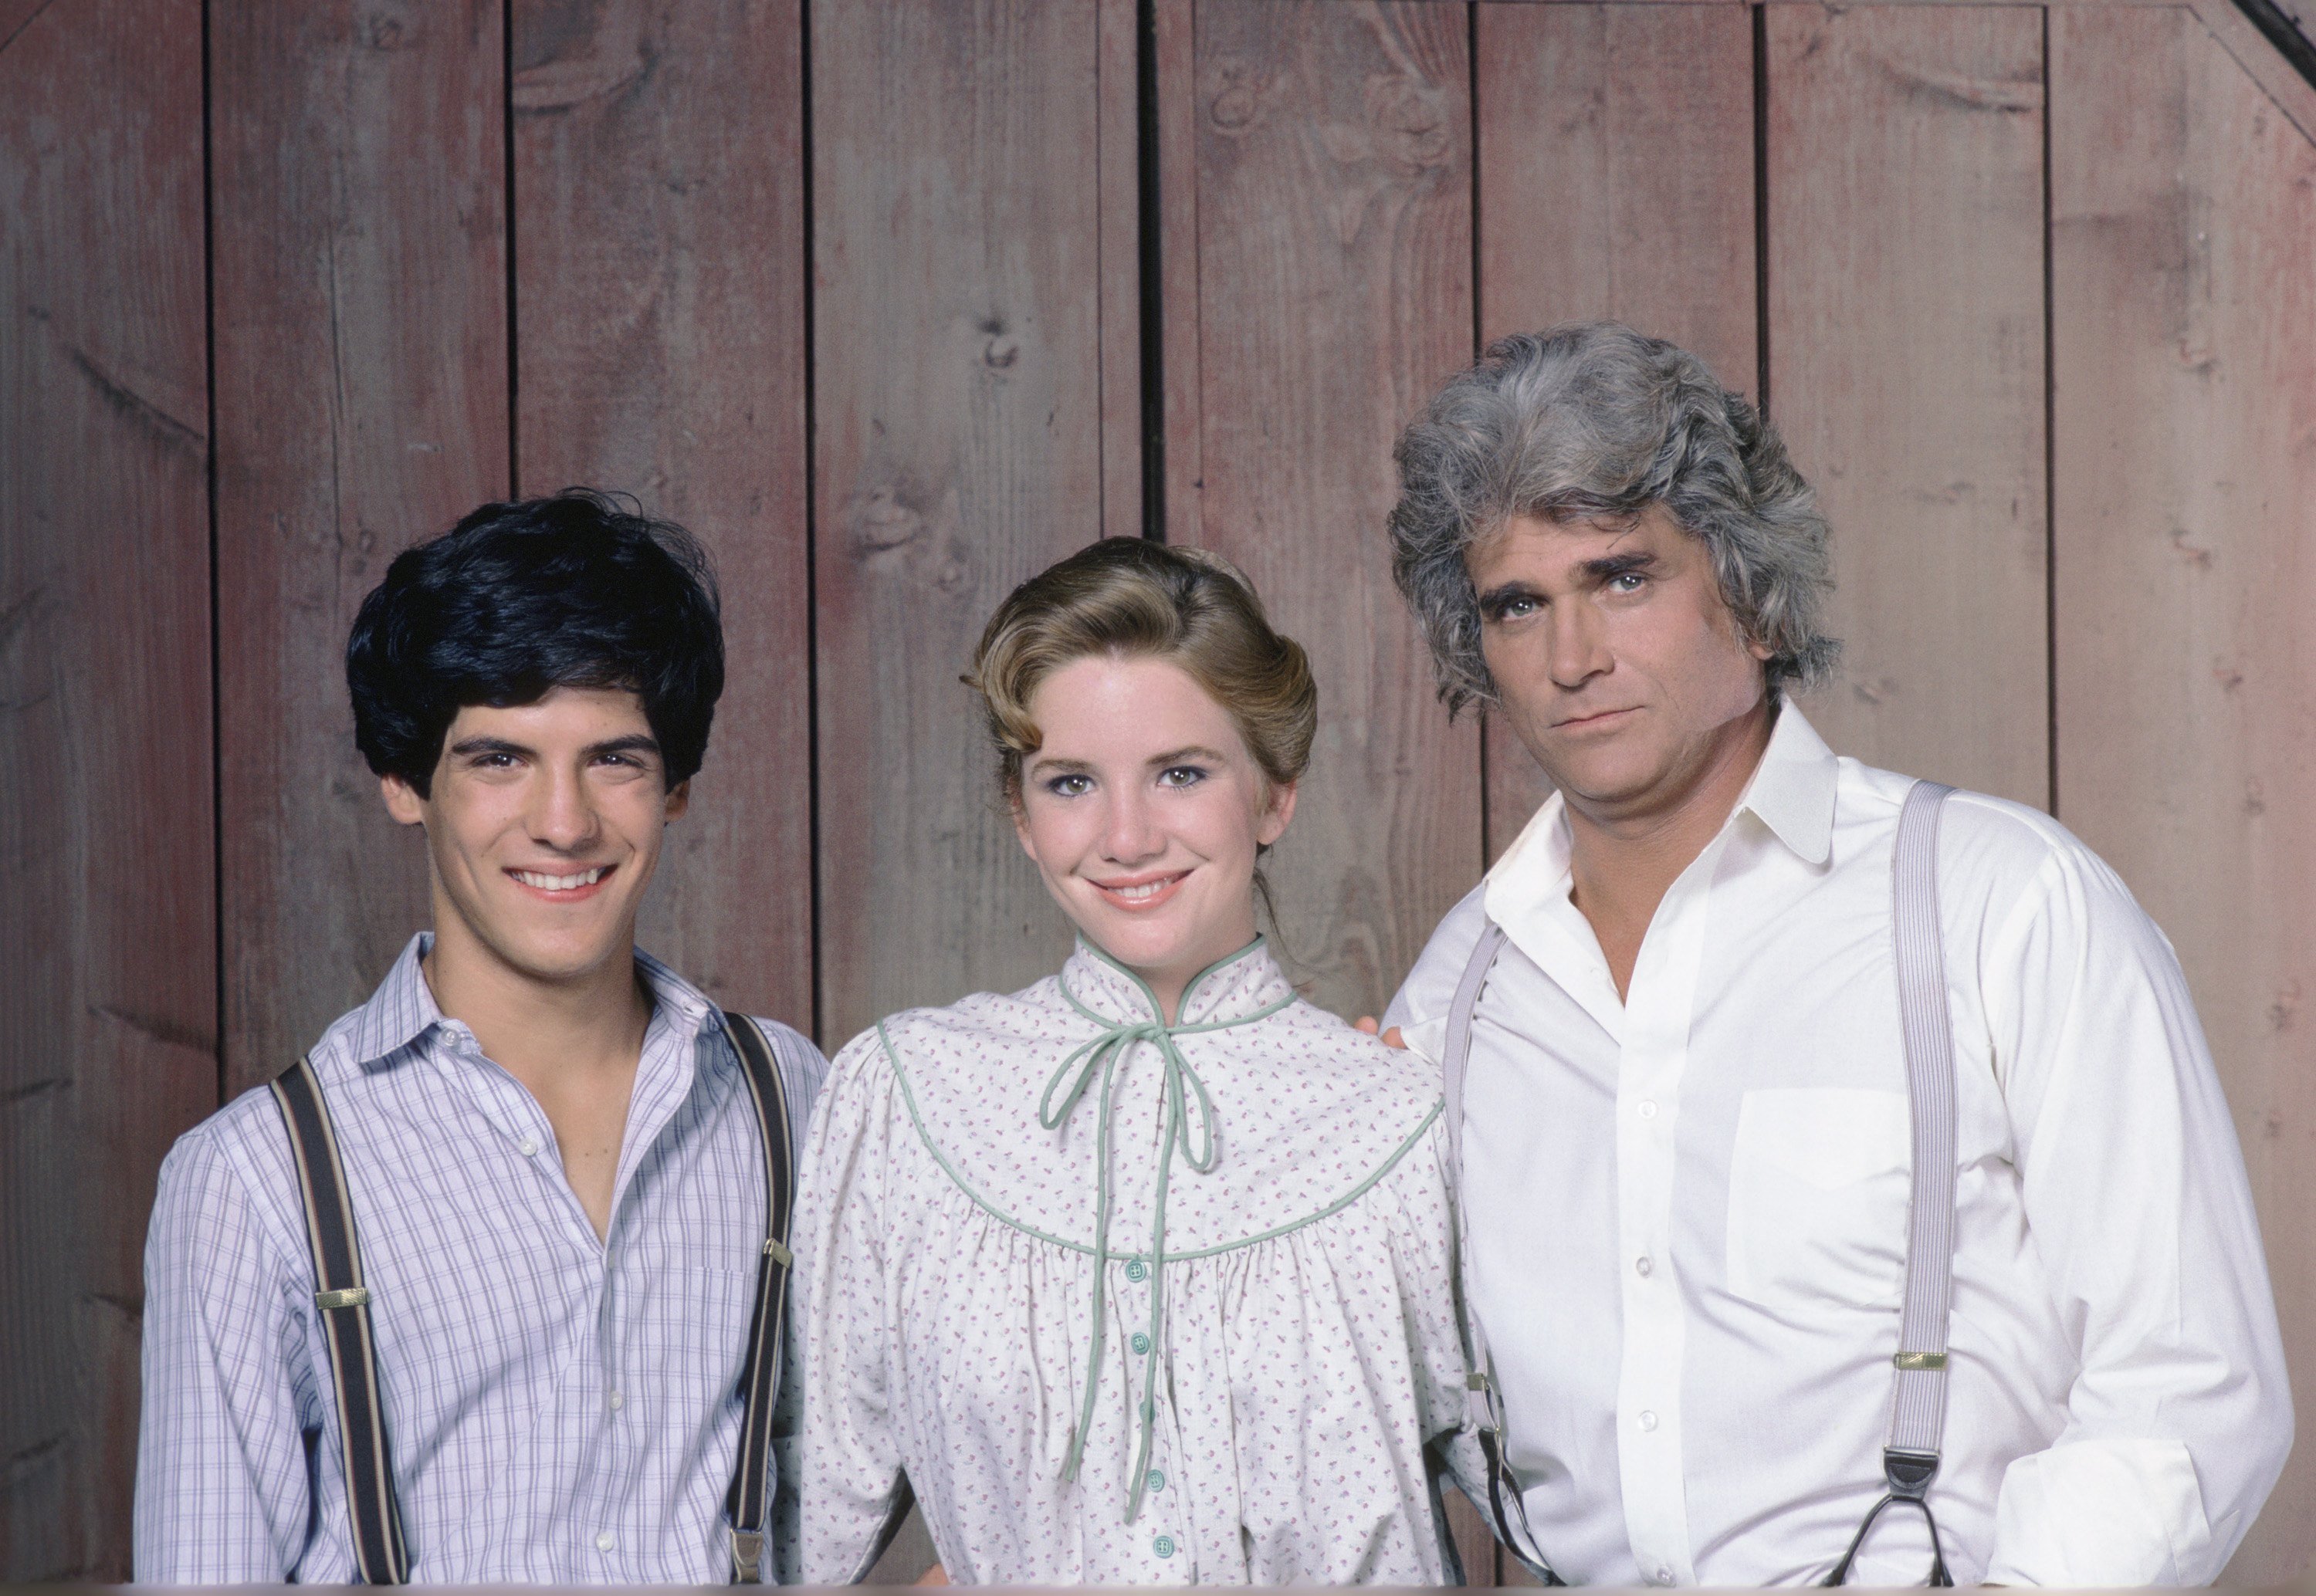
pixel 1651 1026
pixel 593 1421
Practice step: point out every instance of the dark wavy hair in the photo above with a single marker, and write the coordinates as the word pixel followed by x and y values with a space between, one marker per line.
pixel 577 590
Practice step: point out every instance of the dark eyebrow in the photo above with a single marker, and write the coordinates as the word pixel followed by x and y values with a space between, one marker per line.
pixel 1504 592
pixel 1608 567
pixel 466 747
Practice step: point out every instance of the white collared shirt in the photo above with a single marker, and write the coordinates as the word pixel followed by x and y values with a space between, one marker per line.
pixel 1689 1208
pixel 559 1409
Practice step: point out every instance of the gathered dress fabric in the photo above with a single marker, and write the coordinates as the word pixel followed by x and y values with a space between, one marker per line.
pixel 1122 1302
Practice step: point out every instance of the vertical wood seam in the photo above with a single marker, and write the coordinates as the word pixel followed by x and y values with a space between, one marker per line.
pixel 2050 452
pixel 506 200
pixel 1761 209
pixel 217 668
pixel 1479 334
pixel 1150 274
pixel 806 251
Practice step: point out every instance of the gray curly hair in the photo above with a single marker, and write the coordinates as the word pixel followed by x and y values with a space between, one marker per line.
pixel 1594 420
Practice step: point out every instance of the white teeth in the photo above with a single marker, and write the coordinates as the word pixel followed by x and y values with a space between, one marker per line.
pixel 559 884
pixel 1148 889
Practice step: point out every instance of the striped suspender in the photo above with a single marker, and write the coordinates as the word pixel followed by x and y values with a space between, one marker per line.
pixel 1917 1408
pixel 747 1503
pixel 379 1555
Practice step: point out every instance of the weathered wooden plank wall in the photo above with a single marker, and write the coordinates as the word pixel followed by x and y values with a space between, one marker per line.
pixel 859 292
pixel 2183 310
pixel 108 994
pixel 659 342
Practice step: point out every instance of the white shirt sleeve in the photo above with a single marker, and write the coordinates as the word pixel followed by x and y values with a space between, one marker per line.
pixel 222 1488
pixel 2141 1216
pixel 843 1456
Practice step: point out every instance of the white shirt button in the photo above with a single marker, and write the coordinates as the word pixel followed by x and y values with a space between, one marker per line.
pixel 527 1147
pixel 1642 1265
pixel 1662 1576
pixel 603 1541
pixel 1648 1108
pixel 1648 1421
pixel 617 1402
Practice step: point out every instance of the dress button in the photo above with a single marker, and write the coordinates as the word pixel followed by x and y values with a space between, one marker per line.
pixel 1642 1267
pixel 1140 1344
pixel 1663 1577
pixel 1648 1421
pixel 1136 1269
pixel 1648 1109
pixel 1163 1546
pixel 618 1401
pixel 1157 1479
pixel 603 1541
pixel 527 1147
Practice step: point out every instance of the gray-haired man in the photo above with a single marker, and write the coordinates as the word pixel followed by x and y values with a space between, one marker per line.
pixel 1690 1110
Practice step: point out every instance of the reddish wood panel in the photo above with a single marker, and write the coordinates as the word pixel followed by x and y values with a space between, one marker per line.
pixel 1118 180
pixel 660 281
pixel 1906 329
pixel 1173 43
pixel 108 998
pixel 1615 151
pixel 2184 338
pixel 958 403
pixel 1333 294
pixel 360 287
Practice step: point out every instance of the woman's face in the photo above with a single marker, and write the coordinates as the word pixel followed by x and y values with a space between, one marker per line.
pixel 1143 807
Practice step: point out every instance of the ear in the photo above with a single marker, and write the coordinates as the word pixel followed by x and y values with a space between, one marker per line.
pixel 1020 823
pixel 1762 651
pixel 402 800
pixel 679 799
pixel 1271 825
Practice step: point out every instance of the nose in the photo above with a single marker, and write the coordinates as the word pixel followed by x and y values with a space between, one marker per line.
pixel 563 811
pixel 1130 833
pixel 1579 647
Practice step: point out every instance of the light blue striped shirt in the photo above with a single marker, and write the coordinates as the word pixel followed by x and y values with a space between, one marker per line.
pixel 560 1411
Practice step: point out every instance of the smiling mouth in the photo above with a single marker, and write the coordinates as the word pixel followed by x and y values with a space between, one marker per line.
pixel 1146 893
pixel 579 884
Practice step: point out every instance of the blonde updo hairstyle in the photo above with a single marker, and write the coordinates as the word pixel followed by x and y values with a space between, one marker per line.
pixel 1130 599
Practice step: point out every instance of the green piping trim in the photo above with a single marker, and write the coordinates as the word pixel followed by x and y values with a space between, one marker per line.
pixel 909 1096
pixel 1188 990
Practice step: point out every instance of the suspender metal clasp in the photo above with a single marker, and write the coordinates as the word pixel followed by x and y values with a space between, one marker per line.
pixel 747 1557
pixel 352 1297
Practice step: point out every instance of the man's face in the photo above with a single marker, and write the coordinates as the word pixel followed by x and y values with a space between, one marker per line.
pixel 1619 665
pixel 543 823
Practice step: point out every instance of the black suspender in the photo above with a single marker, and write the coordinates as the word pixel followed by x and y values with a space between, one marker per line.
pixel 748 1502
pixel 380 1556
pixel 343 1300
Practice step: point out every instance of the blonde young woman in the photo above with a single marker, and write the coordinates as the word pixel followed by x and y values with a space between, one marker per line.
pixel 1140 1275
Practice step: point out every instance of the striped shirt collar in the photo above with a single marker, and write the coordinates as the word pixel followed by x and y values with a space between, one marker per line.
pixel 403 1011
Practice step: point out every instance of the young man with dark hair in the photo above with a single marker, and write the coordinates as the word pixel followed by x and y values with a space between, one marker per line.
pixel 487 1289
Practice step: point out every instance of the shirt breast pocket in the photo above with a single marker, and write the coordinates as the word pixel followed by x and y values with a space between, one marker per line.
pixel 1818 1182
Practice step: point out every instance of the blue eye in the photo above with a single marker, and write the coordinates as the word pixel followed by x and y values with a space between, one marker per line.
pixel 1628 581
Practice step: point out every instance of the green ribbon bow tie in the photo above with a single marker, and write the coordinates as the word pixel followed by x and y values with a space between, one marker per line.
pixel 1101 1057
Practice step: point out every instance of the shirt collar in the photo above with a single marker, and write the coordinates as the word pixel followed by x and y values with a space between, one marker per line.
pixel 1233 988
pixel 402 1009
pixel 1791 792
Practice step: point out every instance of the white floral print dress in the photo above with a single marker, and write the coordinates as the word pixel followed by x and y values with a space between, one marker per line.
pixel 1125 1303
